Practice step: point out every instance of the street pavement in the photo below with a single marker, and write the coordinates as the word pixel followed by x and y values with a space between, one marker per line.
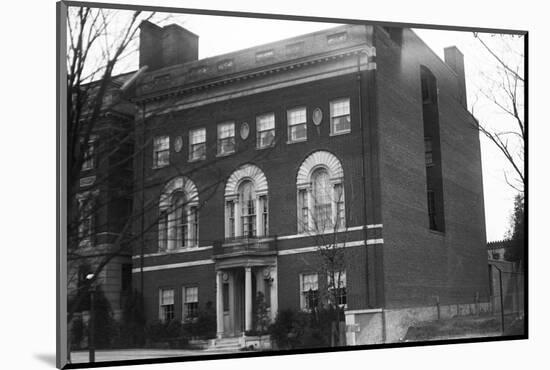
pixel 139 354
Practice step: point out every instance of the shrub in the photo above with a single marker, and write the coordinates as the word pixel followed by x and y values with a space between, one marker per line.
pixel 77 332
pixel 298 329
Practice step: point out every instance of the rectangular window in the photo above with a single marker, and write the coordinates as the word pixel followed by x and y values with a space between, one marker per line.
pixel 302 211
pixel 293 50
pixel 265 55
pixel 163 230
pixel 161 151
pixel 248 218
pixel 231 219
pixel 190 302
pixel 340 120
pixel 337 287
pixel 431 209
pixel 86 221
pixel 182 228
pixel 166 312
pixel 265 130
pixel 197 144
pixel 88 162
pixel 428 151
pixel 297 124
pixel 337 38
pixel 310 291
pixel 226 138
pixel 340 208
pixel 194 222
pixel 264 210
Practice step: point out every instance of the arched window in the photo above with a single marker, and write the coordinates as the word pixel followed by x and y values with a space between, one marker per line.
pixel 320 197
pixel 178 223
pixel 246 204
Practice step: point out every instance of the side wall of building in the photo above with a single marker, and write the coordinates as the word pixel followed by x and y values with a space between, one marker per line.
pixel 421 265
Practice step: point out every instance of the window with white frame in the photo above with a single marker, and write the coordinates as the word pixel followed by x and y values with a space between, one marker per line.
pixel 309 288
pixel 86 218
pixel 297 124
pixel 163 229
pixel 88 161
pixel 166 306
pixel 197 144
pixel 336 282
pixel 303 211
pixel 320 204
pixel 226 138
pixel 178 222
pixel 340 119
pixel 161 151
pixel 246 203
pixel 190 302
pixel 322 200
pixel 247 200
pixel 182 223
pixel 265 130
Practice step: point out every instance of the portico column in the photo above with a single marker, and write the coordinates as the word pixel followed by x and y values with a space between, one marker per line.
pixel 219 304
pixel 248 298
pixel 274 294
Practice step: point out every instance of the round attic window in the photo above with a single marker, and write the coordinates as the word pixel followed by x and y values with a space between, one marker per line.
pixel 317 116
pixel 178 144
pixel 245 130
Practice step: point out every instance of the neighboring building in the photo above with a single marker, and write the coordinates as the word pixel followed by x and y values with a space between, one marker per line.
pixel 252 154
pixel 505 278
pixel 103 196
pixel 497 250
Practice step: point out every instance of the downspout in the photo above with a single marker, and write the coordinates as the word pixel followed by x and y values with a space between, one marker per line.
pixel 142 197
pixel 363 178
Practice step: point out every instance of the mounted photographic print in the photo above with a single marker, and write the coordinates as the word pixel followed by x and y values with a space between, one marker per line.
pixel 240 184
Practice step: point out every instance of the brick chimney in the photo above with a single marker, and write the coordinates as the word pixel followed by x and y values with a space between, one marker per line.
pixel 166 46
pixel 455 59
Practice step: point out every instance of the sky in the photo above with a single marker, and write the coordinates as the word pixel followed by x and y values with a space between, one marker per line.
pixel 219 35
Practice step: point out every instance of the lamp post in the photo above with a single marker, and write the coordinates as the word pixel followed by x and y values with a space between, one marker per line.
pixel 91 322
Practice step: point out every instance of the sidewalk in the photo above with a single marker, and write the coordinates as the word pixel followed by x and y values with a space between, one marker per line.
pixel 138 354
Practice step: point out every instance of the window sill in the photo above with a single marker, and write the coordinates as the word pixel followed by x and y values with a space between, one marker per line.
pixel 196 160
pixel 265 147
pixel 297 141
pixel 221 155
pixel 340 133
pixel 437 232
pixel 162 166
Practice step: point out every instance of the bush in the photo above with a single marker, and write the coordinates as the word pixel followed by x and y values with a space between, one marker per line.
pixel 77 332
pixel 203 326
pixel 298 329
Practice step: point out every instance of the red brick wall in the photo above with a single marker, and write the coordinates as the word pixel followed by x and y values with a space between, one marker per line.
pixel 419 263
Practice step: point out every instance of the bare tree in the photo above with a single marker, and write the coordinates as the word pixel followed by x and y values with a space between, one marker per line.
pixel 325 224
pixel 104 144
pixel 504 88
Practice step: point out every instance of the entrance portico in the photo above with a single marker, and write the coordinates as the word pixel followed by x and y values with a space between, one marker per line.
pixel 243 270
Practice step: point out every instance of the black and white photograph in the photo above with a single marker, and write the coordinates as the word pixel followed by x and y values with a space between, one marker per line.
pixel 241 184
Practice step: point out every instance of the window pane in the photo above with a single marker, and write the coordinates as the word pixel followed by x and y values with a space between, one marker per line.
pixel 339 108
pixel 226 130
pixel 265 122
pixel 161 143
pixel 167 296
pixel 296 116
pixel 191 294
pixel 298 132
pixel 197 136
pixel 340 124
pixel 266 138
